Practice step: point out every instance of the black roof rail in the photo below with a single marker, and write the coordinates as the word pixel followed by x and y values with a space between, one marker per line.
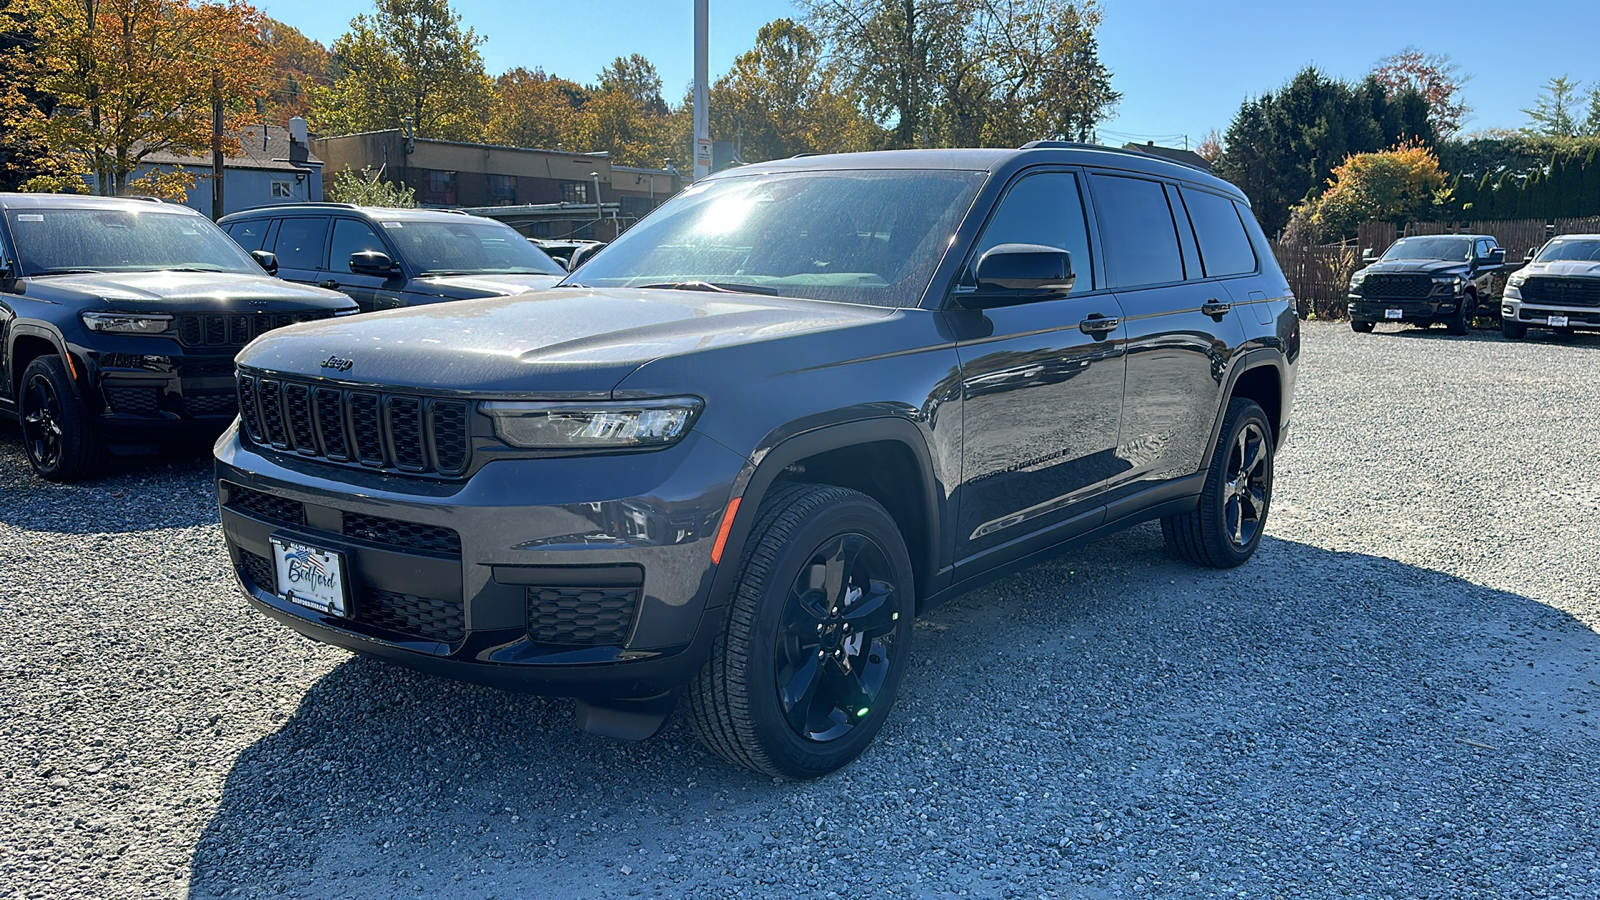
pixel 145 197
pixel 1077 145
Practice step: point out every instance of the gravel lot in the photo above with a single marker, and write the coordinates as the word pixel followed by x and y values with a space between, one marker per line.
pixel 1396 698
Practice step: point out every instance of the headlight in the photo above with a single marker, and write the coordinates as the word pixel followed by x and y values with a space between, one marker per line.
pixel 126 323
pixel 1357 279
pixel 597 426
pixel 1516 279
pixel 1447 279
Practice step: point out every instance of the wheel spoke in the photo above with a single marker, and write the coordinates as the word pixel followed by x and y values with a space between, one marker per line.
pixel 1254 454
pixel 874 614
pixel 800 692
pixel 1234 511
pixel 848 693
pixel 805 610
pixel 837 568
pixel 1258 502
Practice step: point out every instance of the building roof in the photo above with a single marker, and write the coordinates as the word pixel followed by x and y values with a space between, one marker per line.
pixel 1187 157
pixel 263 146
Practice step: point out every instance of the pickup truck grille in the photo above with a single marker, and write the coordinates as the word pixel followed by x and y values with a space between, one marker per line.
pixel 1574 292
pixel 357 428
pixel 236 329
pixel 1400 287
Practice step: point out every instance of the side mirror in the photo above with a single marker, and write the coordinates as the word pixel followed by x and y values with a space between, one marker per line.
pixel 582 255
pixel 1368 255
pixel 1497 256
pixel 267 259
pixel 1013 274
pixel 373 262
pixel 1531 254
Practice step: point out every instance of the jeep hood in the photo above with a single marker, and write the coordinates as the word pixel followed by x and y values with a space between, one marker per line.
pixel 181 292
pixel 467 287
pixel 567 342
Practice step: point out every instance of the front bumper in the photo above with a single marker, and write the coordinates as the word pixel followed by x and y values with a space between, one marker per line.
pixel 144 390
pixel 1538 315
pixel 1430 309
pixel 579 576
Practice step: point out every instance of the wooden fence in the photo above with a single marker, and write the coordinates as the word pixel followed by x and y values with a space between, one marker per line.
pixel 1320 274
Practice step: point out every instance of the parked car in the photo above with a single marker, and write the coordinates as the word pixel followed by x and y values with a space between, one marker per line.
pixel 389 258
pixel 571 254
pixel 736 453
pixel 1423 280
pixel 119 320
pixel 1559 289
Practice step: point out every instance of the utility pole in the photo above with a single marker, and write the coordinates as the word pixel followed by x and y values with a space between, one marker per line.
pixel 702 117
pixel 596 177
pixel 216 146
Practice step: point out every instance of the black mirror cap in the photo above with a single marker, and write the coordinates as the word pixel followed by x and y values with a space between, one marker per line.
pixel 267 259
pixel 1497 256
pixel 1012 274
pixel 1531 254
pixel 372 262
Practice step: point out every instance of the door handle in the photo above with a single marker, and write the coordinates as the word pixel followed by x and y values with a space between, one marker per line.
pixel 1098 326
pixel 1216 309
pixel 330 284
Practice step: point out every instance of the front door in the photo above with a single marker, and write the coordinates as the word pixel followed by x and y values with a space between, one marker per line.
pixel 1041 388
pixel 371 292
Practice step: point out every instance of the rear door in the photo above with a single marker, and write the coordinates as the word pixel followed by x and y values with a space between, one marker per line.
pixel 301 244
pixel 1181 331
pixel 1042 396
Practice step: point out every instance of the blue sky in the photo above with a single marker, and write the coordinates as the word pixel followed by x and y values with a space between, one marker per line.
pixel 1183 67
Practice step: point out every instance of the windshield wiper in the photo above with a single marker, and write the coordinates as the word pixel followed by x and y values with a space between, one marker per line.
pixel 719 287
pixel 70 272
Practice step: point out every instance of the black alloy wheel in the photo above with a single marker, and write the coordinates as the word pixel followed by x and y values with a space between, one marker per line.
pixel 56 433
pixel 1226 527
pixel 815 640
pixel 1361 326
pixel 1461 323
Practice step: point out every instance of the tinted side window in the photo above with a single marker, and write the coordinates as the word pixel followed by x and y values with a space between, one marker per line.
pixel 299 244
pixel 351 236
pixel 249 234
pixel 1224 245
pixel 1141 241
pixel 1047 209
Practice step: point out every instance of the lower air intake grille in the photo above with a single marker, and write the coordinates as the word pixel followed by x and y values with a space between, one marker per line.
pixel 414 535
pixel 211 405
pixel 135 401
pixel 583 616
pixel 266 506
pixel 259 572
pixel 424 617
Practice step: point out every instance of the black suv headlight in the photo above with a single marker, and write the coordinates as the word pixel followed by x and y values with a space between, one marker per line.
pixel 127 323
pixel 593 426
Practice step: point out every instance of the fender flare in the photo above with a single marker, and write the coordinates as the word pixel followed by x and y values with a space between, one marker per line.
pixel 756 478
pixel 33 330
pixel 1250 361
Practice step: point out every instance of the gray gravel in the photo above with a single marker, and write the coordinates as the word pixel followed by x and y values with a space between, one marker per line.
pixel 1396 698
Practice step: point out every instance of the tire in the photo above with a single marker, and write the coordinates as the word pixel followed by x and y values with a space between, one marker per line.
pixel 784 610
pixel 1461 323
pixel 1361 327
pixel 1513 331
pixel 57 434
pixel 1226 528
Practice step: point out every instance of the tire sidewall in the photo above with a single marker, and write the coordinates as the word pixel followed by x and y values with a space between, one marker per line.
pixel 71 416
pixel 798 756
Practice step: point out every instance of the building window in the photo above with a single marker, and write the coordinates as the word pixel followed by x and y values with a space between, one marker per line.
pixel 438 188
pixel 502 190
pixel 575 192
pixel 282 190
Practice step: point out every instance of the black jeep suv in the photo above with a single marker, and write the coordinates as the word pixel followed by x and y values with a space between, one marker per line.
pixel 1423 280
pixel 119 320
pixel 388 258
pixel 734 454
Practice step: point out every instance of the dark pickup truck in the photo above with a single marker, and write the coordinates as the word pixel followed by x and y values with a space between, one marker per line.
pixel 1423 280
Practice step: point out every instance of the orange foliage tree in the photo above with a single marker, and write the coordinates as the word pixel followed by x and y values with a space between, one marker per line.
pixel 1398 185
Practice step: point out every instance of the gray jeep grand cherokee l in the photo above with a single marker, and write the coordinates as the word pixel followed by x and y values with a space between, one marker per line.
pixel 733 456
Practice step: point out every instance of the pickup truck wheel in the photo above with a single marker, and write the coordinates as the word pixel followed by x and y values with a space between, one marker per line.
pixel 1226 528
pixel 56 433
pixel 1461 323
pixel 815 641
pixel 1514 331
pixel 1361 327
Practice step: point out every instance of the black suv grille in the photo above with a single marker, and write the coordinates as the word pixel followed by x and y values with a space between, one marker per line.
pixel 266 506
pixel 134 401
pixel 426 617
pixel 401 432
pixel 581 615
pixel 259 571
pixel 211 405
pixel 236 329
pixel 1579 292
pixel 412 535
pixel 1403 287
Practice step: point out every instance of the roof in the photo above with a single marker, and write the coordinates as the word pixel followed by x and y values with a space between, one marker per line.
pixel 1187 157
pixel 84 201
pixel 586 154
pixel 372 212
pixel 263 147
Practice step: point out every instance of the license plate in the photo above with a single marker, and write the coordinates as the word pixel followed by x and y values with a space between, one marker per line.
pixel 1557 322
pixel 1394 314
pixel 311 576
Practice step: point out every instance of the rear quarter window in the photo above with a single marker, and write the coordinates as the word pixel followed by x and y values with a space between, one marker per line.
pixel 1224 246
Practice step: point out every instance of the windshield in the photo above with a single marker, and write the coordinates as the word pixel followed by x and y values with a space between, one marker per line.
pixel 468 247
pixel 58 241
pixel 870 237
pixel 1450 248
pixel 1570 249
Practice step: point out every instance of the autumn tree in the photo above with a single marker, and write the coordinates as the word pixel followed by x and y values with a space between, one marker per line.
pixel 1210 147
pixel 408 59
pixel 636 78
pixel 134 77
pixel 1552 111
pixel 296 63
pixel 1399 185
pixel 782 100
pixel 532 109
pixel 24 154
pixel 1436 77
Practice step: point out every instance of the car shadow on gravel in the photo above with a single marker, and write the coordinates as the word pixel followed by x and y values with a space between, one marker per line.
pixel 1577 339
pixel 134 494
pixel 1320 722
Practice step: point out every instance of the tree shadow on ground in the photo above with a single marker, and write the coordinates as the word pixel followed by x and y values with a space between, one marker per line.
pixel 1311 722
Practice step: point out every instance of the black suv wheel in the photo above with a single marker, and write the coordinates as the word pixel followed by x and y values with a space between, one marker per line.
pixel 56 433
pixel 1226 529
pixel 1461 323
pixel 815 642
pixel 1361 326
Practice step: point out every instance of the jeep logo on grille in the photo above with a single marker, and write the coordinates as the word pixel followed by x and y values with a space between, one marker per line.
pixel 338 363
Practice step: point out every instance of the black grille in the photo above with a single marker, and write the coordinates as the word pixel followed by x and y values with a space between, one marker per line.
pixel 258 571
pixel 208 368
pixel 135 401
pixel 236 329
pixel 1530 314
pixel 412 535
pixel 211 405
pixel 402 432
pixel 1579 292
pixel 1397 286
pixel 581 615
pixel 266 506
pixel 425 617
